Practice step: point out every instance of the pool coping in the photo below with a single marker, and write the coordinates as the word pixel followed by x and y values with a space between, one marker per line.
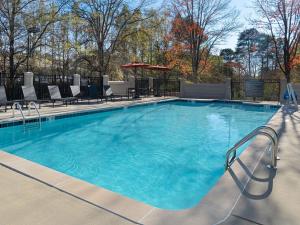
pixel 15 121
pixel 208 210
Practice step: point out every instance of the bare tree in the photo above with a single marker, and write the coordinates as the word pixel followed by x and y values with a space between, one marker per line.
pixel 101 17
pixel 281 19
pixel 16 17
pixel 209 23
pixel 3 52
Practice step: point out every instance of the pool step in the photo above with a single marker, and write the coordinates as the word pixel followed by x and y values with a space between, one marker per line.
pixel 32 126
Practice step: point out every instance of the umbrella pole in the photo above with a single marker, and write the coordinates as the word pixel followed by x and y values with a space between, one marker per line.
pixel 136 84
pixel 165 84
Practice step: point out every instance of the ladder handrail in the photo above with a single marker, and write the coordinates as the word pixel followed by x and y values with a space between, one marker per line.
pixel 276 137
pixel 292 96
pixel 19 107
pixel 262 130
pixel 36 109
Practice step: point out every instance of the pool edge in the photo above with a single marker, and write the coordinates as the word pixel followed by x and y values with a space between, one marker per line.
pixel 130 208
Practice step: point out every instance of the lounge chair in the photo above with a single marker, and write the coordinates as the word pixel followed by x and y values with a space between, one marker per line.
pixel 3 99
pixel 29 95
pixel 55 96
pixel 108 93
pixel 75 90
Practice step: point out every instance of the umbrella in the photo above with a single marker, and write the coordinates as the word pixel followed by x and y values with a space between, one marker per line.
pixel 135 65
pixel 159 68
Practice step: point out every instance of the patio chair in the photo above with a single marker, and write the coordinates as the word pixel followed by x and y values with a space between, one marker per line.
pixel 75 90
pixel 108 93
pixel 3 99
pixel 29 95
pixel 55 96
pixel 76 93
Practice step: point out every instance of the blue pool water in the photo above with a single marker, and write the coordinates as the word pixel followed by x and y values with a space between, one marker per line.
pixel 168 155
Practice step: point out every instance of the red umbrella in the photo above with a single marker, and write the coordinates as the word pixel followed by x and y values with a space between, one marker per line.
pixel 135 65
pixel 158 67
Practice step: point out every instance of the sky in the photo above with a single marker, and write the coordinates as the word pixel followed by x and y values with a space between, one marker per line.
pixel 246 12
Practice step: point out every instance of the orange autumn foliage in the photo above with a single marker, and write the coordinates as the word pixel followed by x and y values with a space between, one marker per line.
pixel 177 59
pixel 179 53
pixel 296 61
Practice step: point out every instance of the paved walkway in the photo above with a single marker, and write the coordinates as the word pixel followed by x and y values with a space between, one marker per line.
pixel 270 198
pixel 26 201
pixel 273 198
pixel 59 108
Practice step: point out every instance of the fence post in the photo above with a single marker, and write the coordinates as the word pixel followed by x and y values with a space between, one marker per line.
pixel 28 79
pixel 283 84
pixel 228 89
pixel 105 81
pixel 76 80
pixel 182 85
pixel 131 82
pixel 150 83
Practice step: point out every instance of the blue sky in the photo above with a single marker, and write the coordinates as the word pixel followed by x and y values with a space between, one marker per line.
pixel 246 12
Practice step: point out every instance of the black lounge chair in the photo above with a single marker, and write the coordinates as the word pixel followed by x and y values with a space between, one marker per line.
pixel 55 96
pixel 108 93
pixel 29 95
pixel 3 99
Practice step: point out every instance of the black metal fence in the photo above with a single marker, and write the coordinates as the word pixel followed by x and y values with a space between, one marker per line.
pixel 142 86
pixel 90 85
pixel 166 87
pixel 161 87
pixel 13 85
pixel 41 83
pixel 271 90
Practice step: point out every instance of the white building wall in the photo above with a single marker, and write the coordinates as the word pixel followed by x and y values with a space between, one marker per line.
pixel 119 87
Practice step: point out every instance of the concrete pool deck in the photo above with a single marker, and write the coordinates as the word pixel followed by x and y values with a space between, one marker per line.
pixel 33 194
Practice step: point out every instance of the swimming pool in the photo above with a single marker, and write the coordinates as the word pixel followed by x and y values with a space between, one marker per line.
pixel 168 155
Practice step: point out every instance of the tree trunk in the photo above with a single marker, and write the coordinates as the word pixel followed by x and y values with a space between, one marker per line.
pixel 195 62
pixel 195 68
pixel 100 52
pixel 11 58
pixel 288 76
pixel 249 60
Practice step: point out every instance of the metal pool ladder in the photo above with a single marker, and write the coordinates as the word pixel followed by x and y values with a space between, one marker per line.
pixel 262 130
pixel 17 105
pixel 35 108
